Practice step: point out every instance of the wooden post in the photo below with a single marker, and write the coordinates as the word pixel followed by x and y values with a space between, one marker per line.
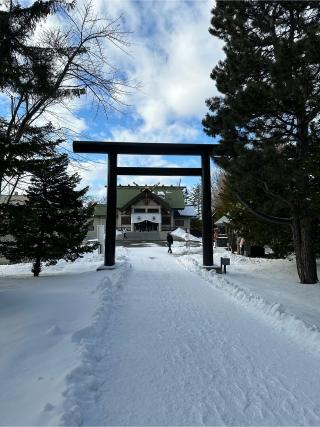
pixel 110 237
pixel 206 211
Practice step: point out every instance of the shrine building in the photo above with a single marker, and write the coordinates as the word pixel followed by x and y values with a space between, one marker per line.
pixel 143 209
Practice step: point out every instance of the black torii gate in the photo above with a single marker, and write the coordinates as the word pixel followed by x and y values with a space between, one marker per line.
pixel 115 148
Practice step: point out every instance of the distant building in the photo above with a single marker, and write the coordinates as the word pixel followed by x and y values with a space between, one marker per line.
pixel 142 208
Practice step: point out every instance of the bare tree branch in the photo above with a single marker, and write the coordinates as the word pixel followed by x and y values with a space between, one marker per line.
pixel 76 55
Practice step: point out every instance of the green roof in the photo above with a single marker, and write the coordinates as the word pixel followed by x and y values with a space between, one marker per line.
pixel 100 210
pixel 172 195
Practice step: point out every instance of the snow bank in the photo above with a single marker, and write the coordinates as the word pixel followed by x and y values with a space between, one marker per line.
pixel 89 262
pixel 84 381
pixel 180 248
pixel 62 333
pixel 45 337
pixel 179 232
pixel 273 313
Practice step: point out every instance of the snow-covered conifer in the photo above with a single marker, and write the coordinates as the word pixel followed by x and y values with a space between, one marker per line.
pixel 55 219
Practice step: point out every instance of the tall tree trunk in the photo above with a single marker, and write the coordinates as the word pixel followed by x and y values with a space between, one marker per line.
pixel 304 250
pixel 36 268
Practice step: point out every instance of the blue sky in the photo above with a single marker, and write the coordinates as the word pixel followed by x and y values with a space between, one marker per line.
pixel 171 55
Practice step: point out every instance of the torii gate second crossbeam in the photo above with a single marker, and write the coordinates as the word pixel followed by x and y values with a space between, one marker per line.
pixel 115 148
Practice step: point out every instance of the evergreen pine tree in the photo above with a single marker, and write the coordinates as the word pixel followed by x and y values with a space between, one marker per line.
pixel 54 221
pixel 36 143
pixel 243 223
pixel 18 56
pixel 41 68
pixel 195 198
pixel 267 117
pixel 24 77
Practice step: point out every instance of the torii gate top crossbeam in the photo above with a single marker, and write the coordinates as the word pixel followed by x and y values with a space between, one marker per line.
pixel 144 148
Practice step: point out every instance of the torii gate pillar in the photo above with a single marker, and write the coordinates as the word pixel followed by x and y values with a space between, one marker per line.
pixel 111 218
pixel 206 212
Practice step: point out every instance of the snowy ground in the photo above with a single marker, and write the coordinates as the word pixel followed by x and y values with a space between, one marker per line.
pixel 159 341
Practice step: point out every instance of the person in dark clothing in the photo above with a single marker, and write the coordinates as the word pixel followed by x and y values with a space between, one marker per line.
pixel 169 243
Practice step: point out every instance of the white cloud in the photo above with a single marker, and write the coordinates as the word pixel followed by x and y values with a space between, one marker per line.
pixel 93 174
pixel 67 116
pixel 175 132
pixel 173 59
pixel 172 55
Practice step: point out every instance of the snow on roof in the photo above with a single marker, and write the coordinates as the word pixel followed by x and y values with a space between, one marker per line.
pixel 189 210
pixel 223 220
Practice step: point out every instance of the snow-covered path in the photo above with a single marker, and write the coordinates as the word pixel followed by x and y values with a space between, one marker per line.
pixel 175 351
